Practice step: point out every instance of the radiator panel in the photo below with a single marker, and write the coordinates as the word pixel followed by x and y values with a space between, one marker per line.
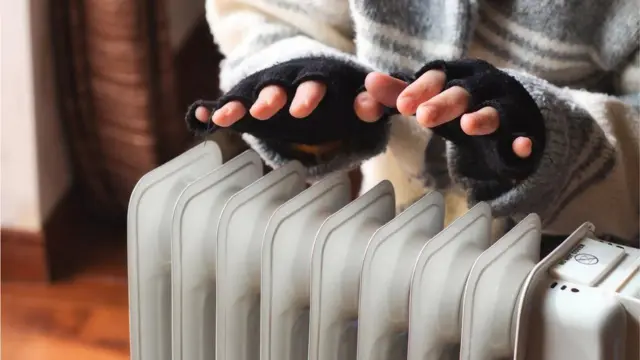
pixel 383 312
pixel 438 283
pixel 149 248
pixel 240 233
pixel 193 246
pixel 492 289
pixel 336 265
pixel 286 266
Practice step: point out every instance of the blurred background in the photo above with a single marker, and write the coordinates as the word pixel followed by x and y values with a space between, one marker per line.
pixel 93 96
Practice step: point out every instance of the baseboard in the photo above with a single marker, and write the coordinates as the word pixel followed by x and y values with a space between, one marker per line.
pixel 77 239
pixel 28 256
pixel 54 252
pixel 23 256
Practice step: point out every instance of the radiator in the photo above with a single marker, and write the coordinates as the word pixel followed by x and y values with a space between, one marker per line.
pixel 228 263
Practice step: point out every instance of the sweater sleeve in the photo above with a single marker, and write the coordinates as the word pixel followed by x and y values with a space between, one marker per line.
pixel 257 35
pixel 589 168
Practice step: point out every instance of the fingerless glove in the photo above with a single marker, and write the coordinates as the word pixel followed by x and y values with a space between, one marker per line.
pixel 334 119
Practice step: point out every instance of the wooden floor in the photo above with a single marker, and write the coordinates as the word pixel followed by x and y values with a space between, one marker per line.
pixel 84 317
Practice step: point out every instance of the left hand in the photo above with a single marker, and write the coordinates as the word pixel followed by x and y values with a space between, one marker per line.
pixel 432 107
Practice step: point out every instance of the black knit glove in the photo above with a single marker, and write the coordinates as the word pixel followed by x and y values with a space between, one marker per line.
pixel 333 120
pixel 489 160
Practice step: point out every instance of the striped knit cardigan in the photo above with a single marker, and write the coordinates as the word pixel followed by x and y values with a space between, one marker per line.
pixel 577 59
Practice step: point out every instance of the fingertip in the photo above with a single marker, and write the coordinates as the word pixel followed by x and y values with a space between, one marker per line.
pixel 300 109
pixel 426 115
pixel 228 114
pixel 218 117
pixel 420 91
pixel 406 105
pixel 308 96
pixel 468 124
pixel 270 100
pixel 373 79
pixel 278 97
pixel 259 110
pixel 384 88
pixel 367 108
pixel 522 146
pixel 482 122
pixel 272 95
pixel 202 114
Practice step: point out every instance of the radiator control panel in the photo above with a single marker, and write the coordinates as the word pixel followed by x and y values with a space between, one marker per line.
pixel 601 264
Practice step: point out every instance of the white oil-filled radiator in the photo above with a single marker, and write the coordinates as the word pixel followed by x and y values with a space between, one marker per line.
pixel 227 263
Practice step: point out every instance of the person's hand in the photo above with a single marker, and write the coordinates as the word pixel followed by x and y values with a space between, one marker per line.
pixel 273 98
pixel 313 101
pixel 270 100
pixel 433 107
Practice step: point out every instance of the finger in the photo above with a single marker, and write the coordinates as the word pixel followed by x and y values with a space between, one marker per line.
pixel 522 146
pixel 308 96
pixel 229 114
pixel 443 107
pixel 270 100
pixel 482 122
pixel 384 88
pixel 203 114
pixel 367 108
pixel 424 88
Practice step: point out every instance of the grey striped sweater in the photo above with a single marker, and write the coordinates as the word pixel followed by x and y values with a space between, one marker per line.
pixel 578 60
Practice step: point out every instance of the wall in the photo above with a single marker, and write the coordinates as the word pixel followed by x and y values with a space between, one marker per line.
pixel 19 175
pixel 34 170
pixel 54 176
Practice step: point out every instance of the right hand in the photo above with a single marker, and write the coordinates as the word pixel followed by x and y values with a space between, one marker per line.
pixel 273 98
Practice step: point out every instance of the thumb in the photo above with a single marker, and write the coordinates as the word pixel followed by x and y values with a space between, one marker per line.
pixel 384 88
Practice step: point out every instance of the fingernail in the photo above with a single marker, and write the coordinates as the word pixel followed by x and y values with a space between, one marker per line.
pixel 365 99
pixel 267 99
pixel 425 115
pixel 408 100
pixel 522 146
pixel 485 128
pixel 305 104
pixel 220 114
pixel 269 95
pixel 215 117
pixel 201 114
pixel 299 107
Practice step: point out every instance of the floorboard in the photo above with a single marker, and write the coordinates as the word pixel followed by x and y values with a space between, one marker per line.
pixel 83 317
